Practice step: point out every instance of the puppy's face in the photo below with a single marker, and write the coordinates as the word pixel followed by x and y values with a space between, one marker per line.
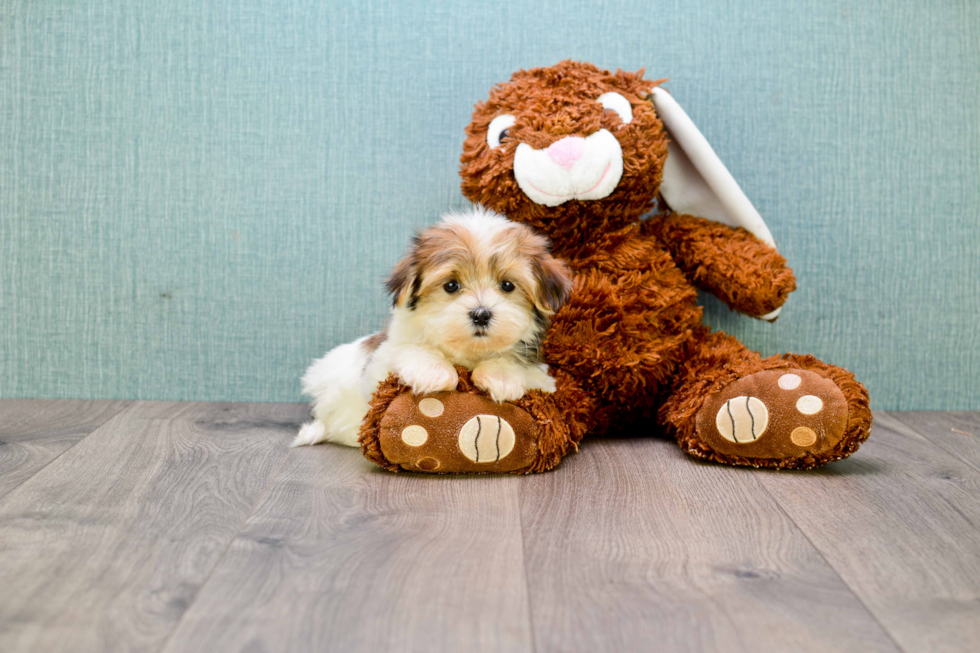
pixel 477 284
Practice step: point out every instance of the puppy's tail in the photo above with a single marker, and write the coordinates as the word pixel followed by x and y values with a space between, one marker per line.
pixel 311 433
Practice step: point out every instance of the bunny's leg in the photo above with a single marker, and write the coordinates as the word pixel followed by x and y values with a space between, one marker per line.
pixel 464 431
pixel 730 405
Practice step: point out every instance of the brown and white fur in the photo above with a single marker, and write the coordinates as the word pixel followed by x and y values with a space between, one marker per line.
pixel 477 291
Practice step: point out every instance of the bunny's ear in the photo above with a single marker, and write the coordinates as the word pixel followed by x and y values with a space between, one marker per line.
pixel 695 181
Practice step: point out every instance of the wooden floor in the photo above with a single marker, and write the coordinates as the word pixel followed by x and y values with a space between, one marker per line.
pixel 192 527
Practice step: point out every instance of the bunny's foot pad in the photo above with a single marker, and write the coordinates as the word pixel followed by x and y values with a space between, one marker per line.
pixel 456 432
pixel 775 414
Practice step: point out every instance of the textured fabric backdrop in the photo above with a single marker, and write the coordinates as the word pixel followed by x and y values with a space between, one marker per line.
pixel 197 198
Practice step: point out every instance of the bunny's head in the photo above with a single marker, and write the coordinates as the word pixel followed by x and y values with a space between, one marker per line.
pixel 574 151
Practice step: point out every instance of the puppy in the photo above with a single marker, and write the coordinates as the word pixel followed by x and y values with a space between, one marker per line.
pixel 476 290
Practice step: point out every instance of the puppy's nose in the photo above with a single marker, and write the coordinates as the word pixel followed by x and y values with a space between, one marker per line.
pixel 567 151
pixel 480 316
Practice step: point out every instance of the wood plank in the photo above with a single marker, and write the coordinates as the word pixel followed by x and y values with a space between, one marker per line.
pixel 33 432
pixel 633 546
pixel 956 433
pixel 900 522
pixel 342 556
pixel 106 547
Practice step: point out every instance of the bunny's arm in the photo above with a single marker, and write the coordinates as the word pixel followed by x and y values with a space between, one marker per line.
pixel 732 264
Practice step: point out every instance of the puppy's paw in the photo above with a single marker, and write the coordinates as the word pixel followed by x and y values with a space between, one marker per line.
pixel 539 379
pixel 503 382
pixel 429 375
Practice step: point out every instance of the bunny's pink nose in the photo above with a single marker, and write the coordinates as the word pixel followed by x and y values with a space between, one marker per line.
pixel 567 151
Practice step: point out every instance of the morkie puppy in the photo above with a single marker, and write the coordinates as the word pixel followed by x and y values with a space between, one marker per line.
pixel 476 290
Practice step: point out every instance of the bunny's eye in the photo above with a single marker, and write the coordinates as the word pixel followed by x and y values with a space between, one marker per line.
pixel 498 129
pixel 619 104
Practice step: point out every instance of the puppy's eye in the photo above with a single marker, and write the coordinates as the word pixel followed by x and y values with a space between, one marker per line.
pixel 619 104
pixel 498 128
pixel 451 286
pixel 507 286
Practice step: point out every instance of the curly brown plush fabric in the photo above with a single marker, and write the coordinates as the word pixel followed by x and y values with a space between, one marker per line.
pixel 629 348
pixel 726 262
pixel 551 103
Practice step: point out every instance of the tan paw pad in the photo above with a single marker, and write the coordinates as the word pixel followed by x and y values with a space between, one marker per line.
pixel 790 381
pixel 414 435
pixel 742 419
pixel 486 439
pixel 431 407
pixel 809 404
pixel 803 436
pixel 428 464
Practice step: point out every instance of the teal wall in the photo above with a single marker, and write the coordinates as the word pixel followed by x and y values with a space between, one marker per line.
pixel 197 198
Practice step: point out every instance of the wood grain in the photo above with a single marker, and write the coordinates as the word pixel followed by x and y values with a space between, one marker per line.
pixel 343 556
pixel 106 547
pixel 34 432
pixel 900 522
pixel 956 433
pixel 632 546
pixel 191 527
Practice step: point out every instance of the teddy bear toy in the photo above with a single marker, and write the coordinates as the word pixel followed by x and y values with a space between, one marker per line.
pixel 634 199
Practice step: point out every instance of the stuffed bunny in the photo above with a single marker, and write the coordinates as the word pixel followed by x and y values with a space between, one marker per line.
pixel 633 198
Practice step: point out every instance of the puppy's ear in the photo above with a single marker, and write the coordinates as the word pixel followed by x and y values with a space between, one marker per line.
pixel 554 283
pixel 404 282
